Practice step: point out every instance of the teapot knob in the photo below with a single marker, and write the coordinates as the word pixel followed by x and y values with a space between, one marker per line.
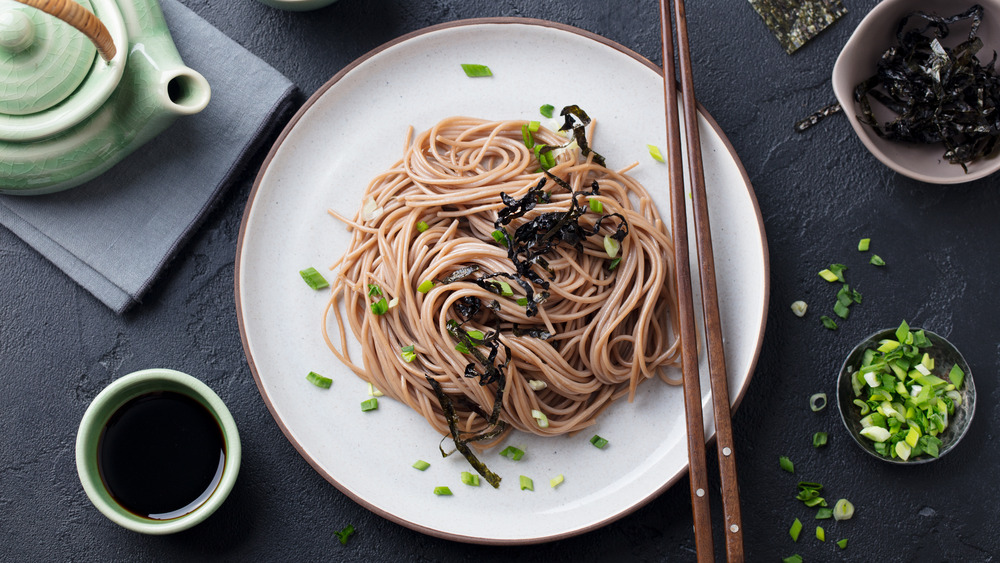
pixel 17 33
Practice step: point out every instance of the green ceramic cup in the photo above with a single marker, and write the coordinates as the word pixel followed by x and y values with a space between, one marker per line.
pixel 108 402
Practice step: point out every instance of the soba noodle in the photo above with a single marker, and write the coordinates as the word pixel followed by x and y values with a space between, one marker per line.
pixel 610 329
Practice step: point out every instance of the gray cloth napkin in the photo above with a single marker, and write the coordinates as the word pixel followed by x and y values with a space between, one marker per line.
pixel 114 234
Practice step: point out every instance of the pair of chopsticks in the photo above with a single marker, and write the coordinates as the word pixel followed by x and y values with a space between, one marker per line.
pixel 710 301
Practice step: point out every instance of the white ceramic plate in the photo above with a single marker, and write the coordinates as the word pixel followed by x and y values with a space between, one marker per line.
pixel 352 129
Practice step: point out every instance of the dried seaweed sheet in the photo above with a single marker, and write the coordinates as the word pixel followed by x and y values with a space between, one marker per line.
pixel 794 22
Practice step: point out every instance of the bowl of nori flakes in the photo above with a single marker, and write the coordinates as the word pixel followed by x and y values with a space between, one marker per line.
pixel 918 82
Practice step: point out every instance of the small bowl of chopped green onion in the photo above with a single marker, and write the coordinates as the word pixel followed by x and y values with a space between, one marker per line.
pixel 906 395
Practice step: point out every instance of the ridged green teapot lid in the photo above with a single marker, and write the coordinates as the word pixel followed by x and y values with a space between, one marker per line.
pixel 43 60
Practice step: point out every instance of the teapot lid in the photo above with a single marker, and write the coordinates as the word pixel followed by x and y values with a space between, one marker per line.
pixel 52 76
pixel 42 59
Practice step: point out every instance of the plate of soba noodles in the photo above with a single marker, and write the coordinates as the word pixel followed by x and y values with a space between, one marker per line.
pixel 455 282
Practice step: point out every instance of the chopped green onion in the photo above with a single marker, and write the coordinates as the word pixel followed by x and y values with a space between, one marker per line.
pixel 786 464
pixel 512 453
pixel 794 558
pixel 505 289
pixel 556 481
pixel 442 491
pixel 533 126
pixel 373 392
pixel 614 264
pixel 828 322
pixel 393 302
pixel 799 308
pixel 843 510
pixel 476 71
pixel 527 484
pixel 820 534
pixel 828 276
pixel 654 151
pixel 407 353
pixel 611 246
pixel 380 307
pixel 461 347
pixel 957 376
pixel 539 416
pixel 863 244
pixel 421 227
pixel 318 380
pixel 369 405
pixel 877 260
pixel 470 479
pixel 313 278
pixel 817 402
pixel 527 137
pixel 838 270
pixel 824 513
pixel 546 110
pixel 819 439
pixel 546 160
pixel 374 290
pixel 795 530
pixel 595 205
pixel 500 237
pixel 342 535
pixel 425 286
pixel 421 465
pixel 598 442
pixel 476 335
pixel 842 544
pixel 841 310
pixel 522 301
pixel 537 384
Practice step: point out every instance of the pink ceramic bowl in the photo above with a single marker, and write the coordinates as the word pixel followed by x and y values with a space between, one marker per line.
pixel 858 60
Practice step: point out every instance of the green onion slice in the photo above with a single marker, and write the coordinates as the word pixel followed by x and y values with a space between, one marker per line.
pixel 318 380
pixel 863 244
pixel 442 491
pixel 795 530
pixel 794 558
pixel 842 544
pixel 369 405
pixel 421 465
pixel 407 353
pixel 824 513
pixel 799 308
pixel 820 533
pixel 595 205
pixel 313 278
pixel 786 464
pixel 539 416
pixel 380 307
pixel 877 260
pixel 556 481
pixel 422 226
pixel 819 439
pixel 614 264
pixel 374 290
pixel 817 402
pixel 342 535
pixel 425 286
pixel 611 246
pixel 828 322
pixel 470 479
pixel 654 151
pixel 843 510
pixel 598 442
pixel 527 484
pixel 476 71
pixel 512 453
pixel 546 110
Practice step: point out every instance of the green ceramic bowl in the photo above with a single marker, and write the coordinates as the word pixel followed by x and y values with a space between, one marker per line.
pixel 110 400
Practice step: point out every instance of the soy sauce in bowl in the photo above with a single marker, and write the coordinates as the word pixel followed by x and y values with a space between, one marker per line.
pixel 161 455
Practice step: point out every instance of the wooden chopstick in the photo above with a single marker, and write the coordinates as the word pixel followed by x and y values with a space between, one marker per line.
pixel 710 301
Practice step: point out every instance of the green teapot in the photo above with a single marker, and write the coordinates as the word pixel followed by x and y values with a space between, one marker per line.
pixel 82 85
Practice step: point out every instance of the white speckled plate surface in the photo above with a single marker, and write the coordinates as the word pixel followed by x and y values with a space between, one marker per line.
pixel 352 129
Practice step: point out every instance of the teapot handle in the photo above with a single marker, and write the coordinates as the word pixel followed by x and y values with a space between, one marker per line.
pixel 80 18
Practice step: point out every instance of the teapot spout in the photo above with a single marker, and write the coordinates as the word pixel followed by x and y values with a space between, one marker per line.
pixel 184 91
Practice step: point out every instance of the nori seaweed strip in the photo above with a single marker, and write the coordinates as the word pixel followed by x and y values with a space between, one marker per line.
pixel 539 333
pixel 817 116
pixel 461 445
pixel 794 22
pixel 518 207
pixel 579 127
pixel 939 94
pixel 460 274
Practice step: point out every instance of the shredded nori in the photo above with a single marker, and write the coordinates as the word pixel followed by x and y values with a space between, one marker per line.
pixel 817 116
pixel 794 22
pixel 462 445
pixel 939 94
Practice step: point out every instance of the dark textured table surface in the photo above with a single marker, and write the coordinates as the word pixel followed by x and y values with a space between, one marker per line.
pixel 819 192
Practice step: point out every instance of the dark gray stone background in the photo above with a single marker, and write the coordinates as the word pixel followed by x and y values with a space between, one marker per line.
pixel 819 193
